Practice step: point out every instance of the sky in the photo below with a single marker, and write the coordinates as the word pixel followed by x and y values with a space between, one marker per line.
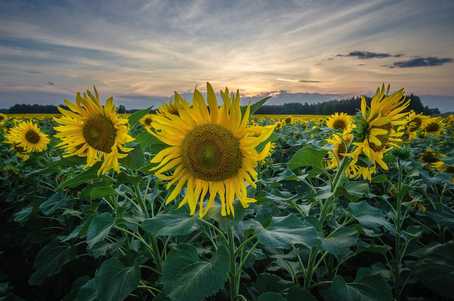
pixel 141 51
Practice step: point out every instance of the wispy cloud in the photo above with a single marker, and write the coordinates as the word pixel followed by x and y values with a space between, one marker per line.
pixel 421 62
pixel 359 54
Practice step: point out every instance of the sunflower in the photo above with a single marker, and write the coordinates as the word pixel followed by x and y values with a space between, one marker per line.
pixel 3 118
pixel 431 160
pixel 212 151
pixel 358 169
pixel 89 129
pixel 433 126
pixel 288 120
pixel 27 137
pixel 172 107
pixel 146 120
pixel 414 124
pixel 339 149
pixel 380 125
pixel 340 121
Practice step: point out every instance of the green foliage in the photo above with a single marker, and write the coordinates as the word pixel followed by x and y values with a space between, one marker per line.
pixel 170 224
pixel 114 281
pixel 307 156
pixel 186 276
pixel 283 232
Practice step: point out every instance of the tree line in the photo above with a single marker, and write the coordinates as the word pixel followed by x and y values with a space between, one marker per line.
pixel 349 106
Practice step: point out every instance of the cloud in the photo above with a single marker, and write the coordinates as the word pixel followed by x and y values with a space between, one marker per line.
pixel 309 81
pixel 421 62
pixel 305 81
pixel 364 55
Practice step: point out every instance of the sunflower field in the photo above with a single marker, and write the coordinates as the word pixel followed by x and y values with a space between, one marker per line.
pixel 204 200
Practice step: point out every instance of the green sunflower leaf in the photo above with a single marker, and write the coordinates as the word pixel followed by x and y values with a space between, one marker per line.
pixel 185 276
pixel 99 228
pixel 115 281
pixel 170 224
pixel 307 156
pixel 372 288
pixel 285 231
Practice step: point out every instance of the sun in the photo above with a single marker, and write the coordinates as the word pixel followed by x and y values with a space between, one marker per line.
pixel 212 151
pixel 97 132
pixel 340 121
pixel 27 137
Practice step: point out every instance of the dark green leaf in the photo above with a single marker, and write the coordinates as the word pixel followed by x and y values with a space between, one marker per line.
pixel 185 276
pixel 81 178
pixel 368 216
pixel 366 289
pixel 115 281
pixel 285 231
pixel 50 260
pixel 135 158
pixel 97 192
pixel 23 215
pixel 99 228
pixel 170 224
pixel 299 294
pixel 339 243
pixel 436 268
pixel 271 296
pixel 307 156
pixel 54 202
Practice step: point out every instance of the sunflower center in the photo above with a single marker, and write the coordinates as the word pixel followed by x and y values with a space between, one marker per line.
pixel 415 124
pixel 32 137
pixel 429 157
pixel 339 124
pixel 99 132
pixel 432 127
pixel 211 153
pixel 2 118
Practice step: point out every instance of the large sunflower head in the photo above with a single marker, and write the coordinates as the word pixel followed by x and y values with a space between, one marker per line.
pixel 340 121
pixel 3 118
pixel 433 126
pixel 89 129
pixel 212 151
pixel 27 137
pixel 381 124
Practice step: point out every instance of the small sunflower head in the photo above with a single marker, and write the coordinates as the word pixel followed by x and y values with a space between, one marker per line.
pixel 433 126
pixel 27 137
pixel 430 157
pixel 340 121
pixel 92 130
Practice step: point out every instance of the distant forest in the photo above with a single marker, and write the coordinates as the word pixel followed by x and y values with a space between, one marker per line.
pixel 350 106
